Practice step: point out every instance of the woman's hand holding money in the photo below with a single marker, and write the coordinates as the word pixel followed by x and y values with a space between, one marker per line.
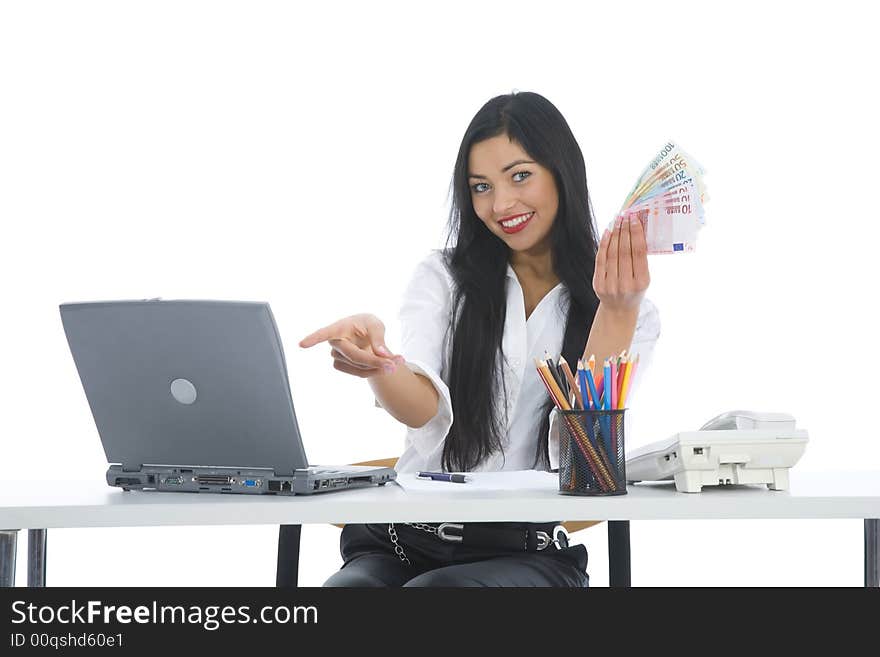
pixel 621 275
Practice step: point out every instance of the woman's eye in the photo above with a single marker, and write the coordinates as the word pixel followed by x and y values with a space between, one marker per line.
pixel 479 188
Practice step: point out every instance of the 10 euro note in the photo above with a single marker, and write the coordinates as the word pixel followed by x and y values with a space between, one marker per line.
pixel 668 199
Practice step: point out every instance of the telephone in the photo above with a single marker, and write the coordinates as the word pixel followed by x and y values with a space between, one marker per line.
pixel 750 420
pixel 736 447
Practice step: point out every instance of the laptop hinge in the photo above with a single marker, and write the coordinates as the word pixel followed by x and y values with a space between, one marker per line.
pixel 128 467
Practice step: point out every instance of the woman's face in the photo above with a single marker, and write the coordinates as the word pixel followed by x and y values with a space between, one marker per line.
pixel 513 195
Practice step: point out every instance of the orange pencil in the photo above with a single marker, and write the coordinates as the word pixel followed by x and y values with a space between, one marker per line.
pixel 624 362
pixel 550 382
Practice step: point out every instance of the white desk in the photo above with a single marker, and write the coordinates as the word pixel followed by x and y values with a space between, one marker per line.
pixel 38 506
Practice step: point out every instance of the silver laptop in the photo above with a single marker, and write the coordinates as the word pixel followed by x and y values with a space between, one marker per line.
pixel 194 396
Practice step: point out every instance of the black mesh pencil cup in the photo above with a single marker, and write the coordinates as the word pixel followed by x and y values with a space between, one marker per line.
pixel 591 452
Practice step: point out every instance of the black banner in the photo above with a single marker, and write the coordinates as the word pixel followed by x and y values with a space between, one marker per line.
pixel 123 620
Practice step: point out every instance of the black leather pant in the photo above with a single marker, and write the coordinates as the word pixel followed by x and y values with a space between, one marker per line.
pixel 370 561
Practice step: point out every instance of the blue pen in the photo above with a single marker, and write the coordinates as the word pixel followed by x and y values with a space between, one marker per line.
pixel 443 476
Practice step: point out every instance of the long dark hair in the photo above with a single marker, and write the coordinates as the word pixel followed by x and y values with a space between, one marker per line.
pixel 478 260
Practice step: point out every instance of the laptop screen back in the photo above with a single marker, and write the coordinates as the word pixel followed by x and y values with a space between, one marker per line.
pixel 200 383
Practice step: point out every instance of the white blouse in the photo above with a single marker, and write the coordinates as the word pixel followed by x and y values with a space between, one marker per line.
pixel 424 317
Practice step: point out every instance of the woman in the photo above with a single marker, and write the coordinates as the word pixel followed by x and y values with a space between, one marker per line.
pixel 523 274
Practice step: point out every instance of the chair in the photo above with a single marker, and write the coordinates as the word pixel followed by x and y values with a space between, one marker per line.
pixel 618 544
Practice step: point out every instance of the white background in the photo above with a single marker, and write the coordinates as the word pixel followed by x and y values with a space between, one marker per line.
pixel 301 154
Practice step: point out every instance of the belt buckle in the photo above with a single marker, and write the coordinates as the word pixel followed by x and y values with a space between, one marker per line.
pixel 451 538
pixel 560 538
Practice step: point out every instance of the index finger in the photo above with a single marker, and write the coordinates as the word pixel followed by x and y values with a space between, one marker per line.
pixel 320 335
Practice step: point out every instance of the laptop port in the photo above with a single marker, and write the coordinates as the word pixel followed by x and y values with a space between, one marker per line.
pixel 173 481
pixel 250 483
pixel 127 481
pixel 275 486
pixel 213 479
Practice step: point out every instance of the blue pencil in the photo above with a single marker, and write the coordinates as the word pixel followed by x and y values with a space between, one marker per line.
pixel 588 420
pixel 582 380
pixel 593 392
pixel 607 383
pixel 606 424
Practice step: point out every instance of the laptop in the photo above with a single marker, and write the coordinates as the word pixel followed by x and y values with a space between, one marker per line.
pixel 194 396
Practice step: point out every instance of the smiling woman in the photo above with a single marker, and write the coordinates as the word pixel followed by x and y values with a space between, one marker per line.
pixel 523 272
pixel 516 195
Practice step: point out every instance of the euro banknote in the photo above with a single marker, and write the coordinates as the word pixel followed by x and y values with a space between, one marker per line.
pixel 668 198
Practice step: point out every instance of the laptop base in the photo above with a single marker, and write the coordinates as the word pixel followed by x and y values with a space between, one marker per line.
pixel 248 481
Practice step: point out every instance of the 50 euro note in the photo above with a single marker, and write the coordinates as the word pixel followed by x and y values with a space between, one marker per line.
pixel 670 166
pixel 668 198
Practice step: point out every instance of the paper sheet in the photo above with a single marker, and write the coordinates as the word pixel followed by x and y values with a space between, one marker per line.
pixel 504 480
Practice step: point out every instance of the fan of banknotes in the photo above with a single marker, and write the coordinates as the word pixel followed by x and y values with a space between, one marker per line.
pixel 668 198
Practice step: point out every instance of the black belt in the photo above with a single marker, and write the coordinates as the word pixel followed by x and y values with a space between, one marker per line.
pixel 531 537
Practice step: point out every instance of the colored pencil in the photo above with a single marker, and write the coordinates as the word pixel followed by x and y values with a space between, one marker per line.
pixel 550 383
pixel 582 379
pixel 624 383
pixel 620 376
pixel 600 472
pixel 614 367
pixel 632 374
pixel 572 384
pixel 606 404
pixel 555 373
pixel 606 375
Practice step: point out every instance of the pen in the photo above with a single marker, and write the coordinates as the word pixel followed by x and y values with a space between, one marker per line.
pixel 443 476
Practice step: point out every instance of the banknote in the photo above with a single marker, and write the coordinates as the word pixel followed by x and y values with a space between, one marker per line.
pixel 668 198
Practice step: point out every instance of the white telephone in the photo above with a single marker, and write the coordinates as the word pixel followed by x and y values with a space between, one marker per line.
pixel 750 420
pixel 736 447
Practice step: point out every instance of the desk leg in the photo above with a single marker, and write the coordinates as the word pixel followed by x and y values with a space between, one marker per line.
pixel 8 544
pixel 287 570
pixel 36 558
pixel 618 554
pixel 872 552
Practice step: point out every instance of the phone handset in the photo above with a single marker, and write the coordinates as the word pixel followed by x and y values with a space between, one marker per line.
pixel 733 420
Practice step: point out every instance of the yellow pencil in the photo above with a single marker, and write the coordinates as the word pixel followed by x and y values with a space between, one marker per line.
pixel 628 375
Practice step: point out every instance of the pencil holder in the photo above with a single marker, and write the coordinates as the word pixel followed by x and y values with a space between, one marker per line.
pixel 591 452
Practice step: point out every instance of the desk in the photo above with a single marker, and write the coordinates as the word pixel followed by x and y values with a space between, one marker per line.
pixel 38 506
